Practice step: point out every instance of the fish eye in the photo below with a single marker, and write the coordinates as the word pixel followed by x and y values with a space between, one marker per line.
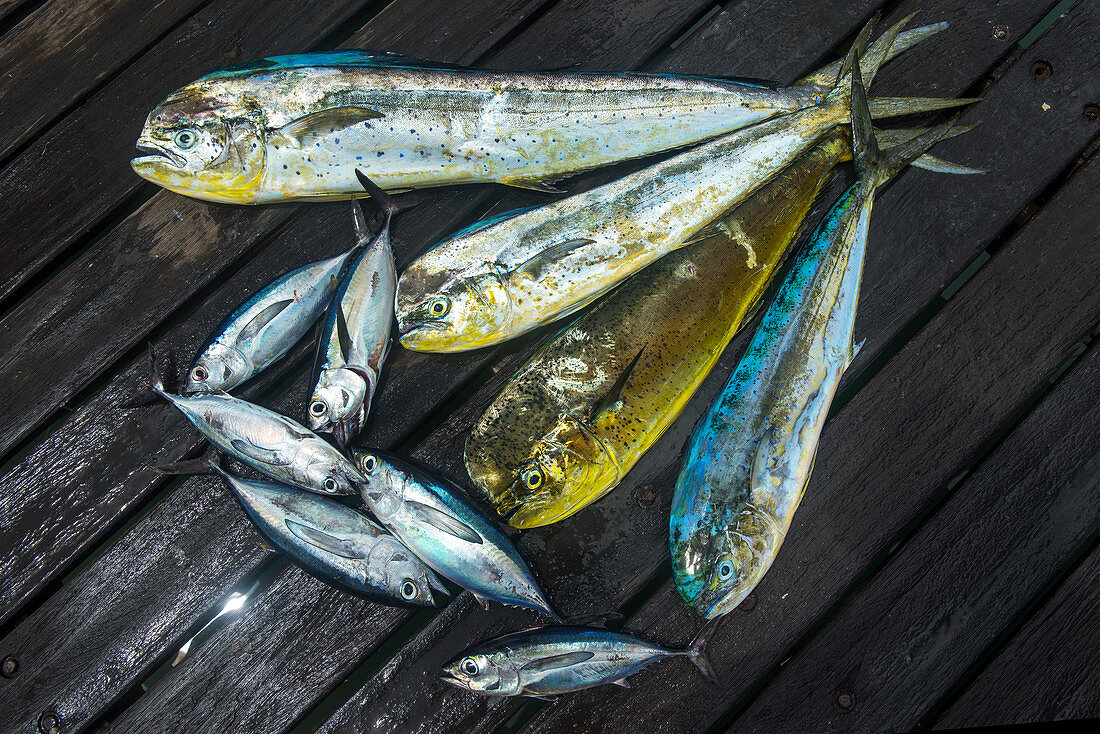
pixel 725 570
pixel 367 464
pixel 317 408
pixel 408 589
pixel 532 478
pixel 469 666
pixel 330 484
pixel 439 306
pixel 185 139
pixel 199 374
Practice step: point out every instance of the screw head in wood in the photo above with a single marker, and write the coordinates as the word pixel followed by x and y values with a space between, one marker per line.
pixel 646 495
pixel 1092 112
pixel 9 668
pixel 748 603
pixel 231 51
pixel 1001 33
pixel 1041 69
pixel 845 699
pixel 49 723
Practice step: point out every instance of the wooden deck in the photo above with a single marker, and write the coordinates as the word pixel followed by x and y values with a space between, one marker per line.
pixel 941 572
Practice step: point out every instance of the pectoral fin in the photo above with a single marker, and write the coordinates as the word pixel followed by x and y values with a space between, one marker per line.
pixel 532 267
pixel 443 522
pixel 615 391
pixel 324 541
pixel 324 121
pixel 262 319
pixel 554 662
pixel 342 333
pixel 265 456
pixel 624 683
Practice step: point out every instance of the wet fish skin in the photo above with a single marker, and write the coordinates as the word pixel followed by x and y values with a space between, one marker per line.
pixel 295 127
pixel 430 516
pixel 547 661
pixel 272 444
pixel 336 544
pixel 265 327
pixel 542 428
pixel 750 458
pixel 360 315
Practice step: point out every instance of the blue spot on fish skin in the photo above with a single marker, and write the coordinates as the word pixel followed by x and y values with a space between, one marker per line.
pixel 358 157
pixel 380 154
pixel 337 141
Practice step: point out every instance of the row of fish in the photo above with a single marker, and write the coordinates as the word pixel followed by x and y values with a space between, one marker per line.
pixel 709 225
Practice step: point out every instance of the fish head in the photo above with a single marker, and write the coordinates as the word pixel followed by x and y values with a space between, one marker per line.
pixel 441 310
pixel 326 470
pixel 405 576
pixel 382 486
pixel 219 368
pixel 719 563
pixel 567 468
pixel 339 403
pixel 482 673
pixel 205 141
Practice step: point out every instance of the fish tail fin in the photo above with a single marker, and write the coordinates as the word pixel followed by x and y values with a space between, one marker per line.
pixel 862 59
pixel 877 165
pixel 385 203
pixel 827 76
pixel 696 652
pixel 883 107
pixel 208 463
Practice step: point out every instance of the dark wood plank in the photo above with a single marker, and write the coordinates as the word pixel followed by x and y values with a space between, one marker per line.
pixel 1047 672
pixel 900 643
pixel 227 668
pixel 40 640
pixel 600 557
pixel 196 241
pixel 956 382
pixel 62 49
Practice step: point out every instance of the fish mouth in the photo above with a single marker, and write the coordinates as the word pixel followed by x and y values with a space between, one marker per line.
pixel 456 682
pixel 156 153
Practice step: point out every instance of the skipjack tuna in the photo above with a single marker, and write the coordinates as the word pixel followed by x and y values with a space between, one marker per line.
pixel 550 660
pixel 356 335
pixel 430 516
pixel 582 411
pixel 296 127
pixel 750 458
pixel 270 443
pixel 332 542
pixel 503 278
pixel 265 327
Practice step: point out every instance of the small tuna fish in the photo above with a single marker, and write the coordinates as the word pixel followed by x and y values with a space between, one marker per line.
pixel 330 541
pixel 749 461
pixel 504 278
pixel 430 516
pixel 296 127
pixel 544 662
pixel 272 444
pixel 266 326
pixel 356 335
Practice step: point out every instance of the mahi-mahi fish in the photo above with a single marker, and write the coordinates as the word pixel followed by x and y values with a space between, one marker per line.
pixel 507 276
pixel 296 127
pixel 749 460
pixel 585 408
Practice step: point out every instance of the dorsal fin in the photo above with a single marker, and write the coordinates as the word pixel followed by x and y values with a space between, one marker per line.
pixel 262 319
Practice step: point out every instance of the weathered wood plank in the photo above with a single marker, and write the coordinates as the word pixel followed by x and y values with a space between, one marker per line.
pixel 1047 672
pixel 62 49
pixel 196 239
pixel 955 383
pixel 900 643
pixel 41 641
pixel 603 555
pixel 222 668
pixel 67 181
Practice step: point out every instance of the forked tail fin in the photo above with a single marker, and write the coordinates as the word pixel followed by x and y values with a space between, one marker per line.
pixel 696 652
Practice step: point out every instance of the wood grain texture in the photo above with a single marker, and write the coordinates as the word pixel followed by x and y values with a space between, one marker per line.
pixel 78 172
pixel 955 383
pixel 603 555
pixel 1047 672
pixel 901 642
pixel 63 48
